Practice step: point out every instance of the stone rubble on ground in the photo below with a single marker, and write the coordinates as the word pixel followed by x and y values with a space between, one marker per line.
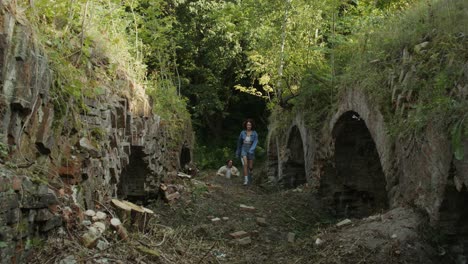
pixel 344 223
pixel 261 221
pixel 216 219
pixel 99 216
pixel 239 234
pixel 100 227
pixel 244 241
pixel 247 208
pixel 291 237
pixel 90 213
pixel 102 244
pixel 318 241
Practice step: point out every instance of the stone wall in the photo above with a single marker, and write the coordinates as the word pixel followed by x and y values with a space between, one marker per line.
pixel 77 153
pixel 284 150
pixel 415 170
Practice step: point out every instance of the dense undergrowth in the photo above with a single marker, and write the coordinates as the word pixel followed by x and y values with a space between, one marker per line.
pixel 412 63
pixel 94 52
pixel 415 67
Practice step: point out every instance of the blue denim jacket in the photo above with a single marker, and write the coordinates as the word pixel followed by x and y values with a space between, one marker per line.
pixel 243 134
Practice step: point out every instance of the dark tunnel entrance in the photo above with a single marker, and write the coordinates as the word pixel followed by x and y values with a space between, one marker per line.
pixel 185 157
pixel 453 222
pixel 132 180
pixel 294 167
pixel 355 186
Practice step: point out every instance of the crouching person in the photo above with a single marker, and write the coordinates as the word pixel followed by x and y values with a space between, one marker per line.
pixel 228 170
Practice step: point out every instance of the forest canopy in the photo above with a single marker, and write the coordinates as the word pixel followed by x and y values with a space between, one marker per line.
pixel 224 61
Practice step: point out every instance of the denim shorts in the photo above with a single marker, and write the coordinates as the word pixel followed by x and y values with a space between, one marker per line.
pixel 245 152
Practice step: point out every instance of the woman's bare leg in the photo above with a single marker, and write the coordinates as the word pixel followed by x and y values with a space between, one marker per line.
pixel 246 166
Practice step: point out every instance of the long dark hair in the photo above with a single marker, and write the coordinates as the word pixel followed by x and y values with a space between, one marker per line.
pixel 248 120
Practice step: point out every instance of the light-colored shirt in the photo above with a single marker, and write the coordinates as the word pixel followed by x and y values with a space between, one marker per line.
pixel 228 172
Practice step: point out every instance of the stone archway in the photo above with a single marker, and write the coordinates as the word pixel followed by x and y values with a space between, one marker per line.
pixel 355 186
pixel 294 166
pixel 132 179
pixel 453 220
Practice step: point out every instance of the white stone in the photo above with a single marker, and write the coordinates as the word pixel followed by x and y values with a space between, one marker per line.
pixel 90 213
pixel 100 215
pixel 291 237
pixel 247 208
pixel 216 219
pixel 100 226
pixel 115 222
pixel 344 223
pixel 394 236
pixel 318 241
pixel 101 245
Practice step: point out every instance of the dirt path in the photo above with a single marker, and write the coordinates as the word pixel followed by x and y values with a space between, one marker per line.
pixel 279 219
pixel 284 226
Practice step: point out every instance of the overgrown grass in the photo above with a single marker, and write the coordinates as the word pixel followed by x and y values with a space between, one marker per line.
pixel 422 51
pixel 94 51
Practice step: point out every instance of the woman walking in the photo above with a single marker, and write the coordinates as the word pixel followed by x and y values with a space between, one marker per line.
pixel 246 145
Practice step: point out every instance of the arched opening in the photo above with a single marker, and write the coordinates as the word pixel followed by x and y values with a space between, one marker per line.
pixel 272 166
pixel 355 186
pixel 185 157
pixel 294 166
pixel 453 221
pixel 132 180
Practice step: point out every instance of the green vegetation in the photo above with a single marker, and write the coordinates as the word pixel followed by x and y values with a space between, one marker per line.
pixel 219 62
pixel 95 49
pixel 417 56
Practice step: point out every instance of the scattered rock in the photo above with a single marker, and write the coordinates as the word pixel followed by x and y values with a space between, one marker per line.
pixel 318 241
pixel 225 218
pixel 244 241
pixel 90 213
pixel 86 223
pixel 239 234
pixel 377 217
pixel 261 221
pixel 173 196
pixel 216 219
pixel 102 244
pixel 254 233
pixel 291 237
pixel 247 208
pixel 394 236
pixel 99 216
pixel 344 223
pixel 89 239
pixel 100 226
